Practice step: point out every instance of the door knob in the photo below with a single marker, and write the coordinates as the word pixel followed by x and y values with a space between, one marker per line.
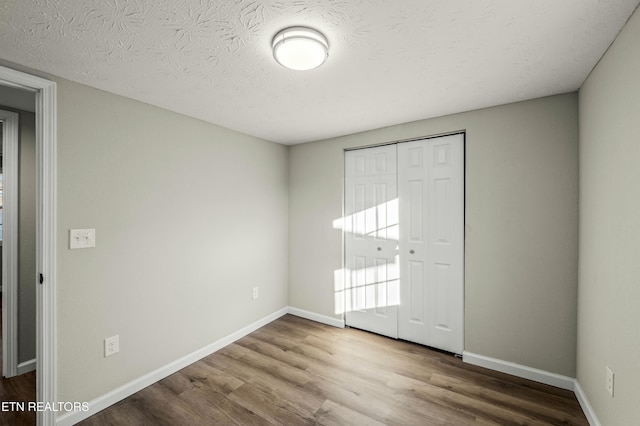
pixel 379 248
pixel 412 251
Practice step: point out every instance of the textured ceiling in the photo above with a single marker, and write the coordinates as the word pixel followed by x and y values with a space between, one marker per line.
pixel 390 62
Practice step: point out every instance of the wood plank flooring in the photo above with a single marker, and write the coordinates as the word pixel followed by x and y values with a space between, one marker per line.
pixel 17 389
pixel 298 372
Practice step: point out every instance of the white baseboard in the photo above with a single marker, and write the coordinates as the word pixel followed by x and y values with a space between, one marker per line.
pixel 25 367
pixel 118 394
pixel 541 376
pixel 589 413
pixel 324 319
pixel 128 389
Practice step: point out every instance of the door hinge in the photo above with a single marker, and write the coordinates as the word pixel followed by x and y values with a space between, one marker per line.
pixel 41 278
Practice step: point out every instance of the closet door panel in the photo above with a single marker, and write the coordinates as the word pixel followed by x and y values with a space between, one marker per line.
pixel 371 238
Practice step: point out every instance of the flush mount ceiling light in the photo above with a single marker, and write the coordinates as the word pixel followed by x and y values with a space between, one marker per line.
pixel 300 48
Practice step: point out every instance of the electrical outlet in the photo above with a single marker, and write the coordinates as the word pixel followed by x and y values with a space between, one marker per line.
pixel 111 345
pixel 610 377
pixel 255 293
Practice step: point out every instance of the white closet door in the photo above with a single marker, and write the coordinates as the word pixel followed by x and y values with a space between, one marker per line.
pixel 431 194
pixel 371 240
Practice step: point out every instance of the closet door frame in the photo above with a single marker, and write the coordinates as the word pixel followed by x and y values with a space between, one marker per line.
pixel 437 326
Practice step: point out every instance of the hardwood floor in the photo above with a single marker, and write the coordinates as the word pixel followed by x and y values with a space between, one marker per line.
pixel 17 389
pixel 298 372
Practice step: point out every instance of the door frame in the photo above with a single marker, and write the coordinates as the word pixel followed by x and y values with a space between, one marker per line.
pixel 10 136
pixel 46 185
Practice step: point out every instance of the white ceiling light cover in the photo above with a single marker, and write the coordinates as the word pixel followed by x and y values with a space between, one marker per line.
pixel 300 48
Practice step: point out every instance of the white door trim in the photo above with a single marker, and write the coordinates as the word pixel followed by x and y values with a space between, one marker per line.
pixel 46 184
pixel 10 136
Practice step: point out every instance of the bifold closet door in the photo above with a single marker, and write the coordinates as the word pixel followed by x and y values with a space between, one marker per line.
pixel 431 195
pixel 404 241
pixel 372 291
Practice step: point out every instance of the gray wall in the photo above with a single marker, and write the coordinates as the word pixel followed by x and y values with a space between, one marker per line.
pixel 26 230
pixel 17 98
pixel 189 217
pixel 609 291
pixel 521 226
pixel 27 238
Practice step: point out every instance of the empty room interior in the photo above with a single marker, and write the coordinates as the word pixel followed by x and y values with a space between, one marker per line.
pixel 455 183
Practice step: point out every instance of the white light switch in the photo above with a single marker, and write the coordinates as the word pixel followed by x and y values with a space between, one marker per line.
pixel 82 238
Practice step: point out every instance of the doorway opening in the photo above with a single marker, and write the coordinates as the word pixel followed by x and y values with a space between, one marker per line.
pixel 45 233
pixel 18 231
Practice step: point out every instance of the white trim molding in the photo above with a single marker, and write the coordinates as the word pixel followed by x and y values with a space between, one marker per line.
pixel 25 367
pixel 128 389
pixel 324 319
pixel 100 403
pixel 10 143
pixel 589 413
pixel 46 184
pixel 541 376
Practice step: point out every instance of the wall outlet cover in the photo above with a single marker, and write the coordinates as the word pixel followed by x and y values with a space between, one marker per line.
pixel 610 381
pixel 111 345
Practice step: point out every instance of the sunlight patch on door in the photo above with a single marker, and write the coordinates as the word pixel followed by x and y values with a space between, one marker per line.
pixel 380 222
pixel 370 281
pixel 375 287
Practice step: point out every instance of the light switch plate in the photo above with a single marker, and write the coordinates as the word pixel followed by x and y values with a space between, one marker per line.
pixel 82 238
